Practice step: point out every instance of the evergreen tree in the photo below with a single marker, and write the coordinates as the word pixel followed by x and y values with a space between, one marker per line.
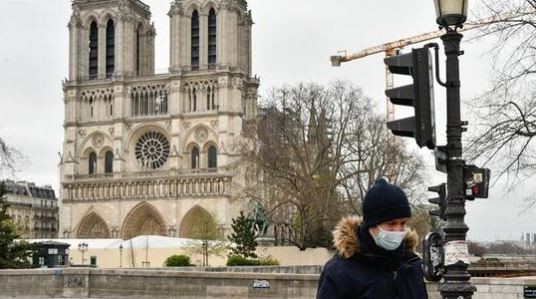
pixel 13 254
pixel 243 236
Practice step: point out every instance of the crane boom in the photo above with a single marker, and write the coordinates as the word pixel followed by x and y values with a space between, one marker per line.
pixel 389 48
pixel 336 60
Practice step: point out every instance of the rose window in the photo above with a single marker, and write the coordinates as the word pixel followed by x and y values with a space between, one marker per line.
pixel 152 150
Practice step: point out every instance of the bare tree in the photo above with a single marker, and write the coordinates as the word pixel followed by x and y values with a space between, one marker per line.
pixel 207 238
pixel 503 135
pixel 8 158
pixel 476 248
pixel 314 152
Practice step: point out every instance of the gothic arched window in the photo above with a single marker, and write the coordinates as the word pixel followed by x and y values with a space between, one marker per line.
pixel 93 50
pixel 195 40
pixel 195 157
pixel 212 97
pixel 212 157
pixel 92 163
pixel 109 162
pixel 212 37
pixel 110 48
pixel 90 108
pixel 208 98
pixel 194 100
pixel 138 34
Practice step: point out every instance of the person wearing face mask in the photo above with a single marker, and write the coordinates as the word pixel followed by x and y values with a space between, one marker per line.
pixel 375 256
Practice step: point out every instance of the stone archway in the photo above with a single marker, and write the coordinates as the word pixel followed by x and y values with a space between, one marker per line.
pixel 143 219
pixel 92 226
pixel 198 223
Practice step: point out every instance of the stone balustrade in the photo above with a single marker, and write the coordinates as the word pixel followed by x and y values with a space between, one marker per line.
pixel 147 188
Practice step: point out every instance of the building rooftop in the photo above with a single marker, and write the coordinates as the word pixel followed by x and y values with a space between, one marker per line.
pixel 29 189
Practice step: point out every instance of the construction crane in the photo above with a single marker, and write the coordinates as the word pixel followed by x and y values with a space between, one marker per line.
pixel 392 48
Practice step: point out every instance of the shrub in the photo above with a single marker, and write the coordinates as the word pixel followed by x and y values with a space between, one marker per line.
pixel 178 261
pixel 268 261
pixel 238 260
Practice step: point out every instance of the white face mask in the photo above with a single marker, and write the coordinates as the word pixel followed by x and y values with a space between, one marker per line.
pixel 389 240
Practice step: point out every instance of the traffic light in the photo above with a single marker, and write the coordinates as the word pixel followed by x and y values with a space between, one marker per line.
pixel 420 95
pixel 441 201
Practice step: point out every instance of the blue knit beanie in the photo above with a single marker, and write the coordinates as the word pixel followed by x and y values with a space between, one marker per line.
pixel 384 202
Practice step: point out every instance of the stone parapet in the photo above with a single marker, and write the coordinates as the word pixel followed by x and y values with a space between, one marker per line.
pixel 492 288
pixel 84 283
pixel 170 283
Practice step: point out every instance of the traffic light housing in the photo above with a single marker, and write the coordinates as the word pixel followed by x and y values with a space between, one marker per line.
pixel 441 200
pixel 420 95
pixel 476 181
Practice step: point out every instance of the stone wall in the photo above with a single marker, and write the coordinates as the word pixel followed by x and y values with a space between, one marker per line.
pixel 133 258
pixel 133 284
pixel 492 288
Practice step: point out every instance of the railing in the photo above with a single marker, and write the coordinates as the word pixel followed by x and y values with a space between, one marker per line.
pixel 147 174
pixel 502 269
pixel 19 204
pixel 161 73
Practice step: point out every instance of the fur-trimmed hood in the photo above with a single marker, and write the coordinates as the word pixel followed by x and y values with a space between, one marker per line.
pixel 346 242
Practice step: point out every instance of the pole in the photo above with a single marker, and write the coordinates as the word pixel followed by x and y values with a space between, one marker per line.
pixel 121 256
pixel 456 283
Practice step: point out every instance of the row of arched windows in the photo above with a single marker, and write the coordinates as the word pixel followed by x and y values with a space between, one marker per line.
pixel 109 47
pixel 98 108
pixel 109 160
pixel 212 157
pixel 210 93
pixel 108 163
pixel 211 39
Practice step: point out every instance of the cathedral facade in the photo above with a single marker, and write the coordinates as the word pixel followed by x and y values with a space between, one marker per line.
pixel 146 153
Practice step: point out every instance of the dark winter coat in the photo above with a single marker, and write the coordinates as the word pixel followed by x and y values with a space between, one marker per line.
pixel 362 270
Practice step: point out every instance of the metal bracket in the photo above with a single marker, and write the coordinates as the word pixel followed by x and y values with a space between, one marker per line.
pixel 436 49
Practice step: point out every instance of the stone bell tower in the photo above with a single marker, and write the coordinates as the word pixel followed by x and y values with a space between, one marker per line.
pixel 148 153
pixel 110 39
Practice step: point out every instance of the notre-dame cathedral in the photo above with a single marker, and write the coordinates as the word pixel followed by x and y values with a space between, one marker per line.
pixel 146 153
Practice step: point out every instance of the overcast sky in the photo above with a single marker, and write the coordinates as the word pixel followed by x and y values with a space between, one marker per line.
pixel 292 42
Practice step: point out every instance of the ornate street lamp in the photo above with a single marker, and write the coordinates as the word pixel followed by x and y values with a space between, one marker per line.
pixel 120 255
pixel 82 247
pixel 451 12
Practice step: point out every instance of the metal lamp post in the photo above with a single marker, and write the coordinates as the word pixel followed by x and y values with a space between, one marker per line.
pixel 82 247
pixel 120 255
pixel 451 14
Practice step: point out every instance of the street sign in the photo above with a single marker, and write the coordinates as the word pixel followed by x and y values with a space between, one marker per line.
pixel 261 284
pixel 529 291
pixel 476 181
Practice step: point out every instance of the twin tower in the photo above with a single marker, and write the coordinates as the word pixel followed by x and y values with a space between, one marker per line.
pixel 147 153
